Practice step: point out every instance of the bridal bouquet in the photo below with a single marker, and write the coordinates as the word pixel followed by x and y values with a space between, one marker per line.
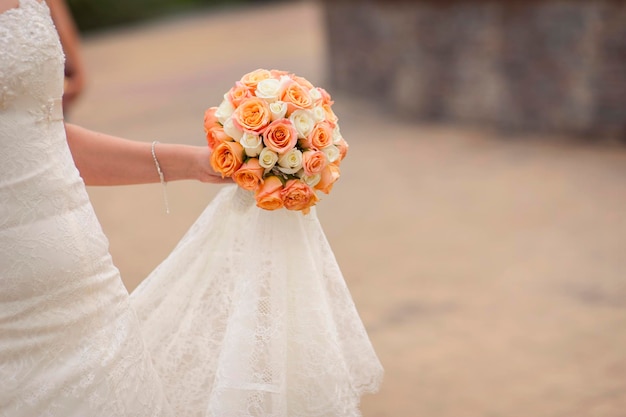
pixel 276 134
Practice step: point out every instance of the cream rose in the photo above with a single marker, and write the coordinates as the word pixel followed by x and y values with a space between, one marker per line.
pixel 303 121
pixel 316 96
pixel 332 153
pixel 252 144
pixel 224 111
pixel 268 158
pixel 290 162
pixel 232 130
pixel 278 109
pixel 311 180
pixel 318 113
pixel 268 89
pixel 337 134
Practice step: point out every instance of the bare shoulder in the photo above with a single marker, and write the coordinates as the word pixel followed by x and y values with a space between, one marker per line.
pixel 8 4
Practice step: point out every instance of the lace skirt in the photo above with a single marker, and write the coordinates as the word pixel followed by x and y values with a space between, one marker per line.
pixel 250 316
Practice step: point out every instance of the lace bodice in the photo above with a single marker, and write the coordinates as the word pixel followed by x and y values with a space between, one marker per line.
pixel 31 88
pixel 31 70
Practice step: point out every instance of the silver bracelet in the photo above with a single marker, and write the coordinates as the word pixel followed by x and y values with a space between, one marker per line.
pixel 161 177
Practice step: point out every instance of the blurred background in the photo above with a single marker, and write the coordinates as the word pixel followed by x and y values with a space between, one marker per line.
pixel 480 218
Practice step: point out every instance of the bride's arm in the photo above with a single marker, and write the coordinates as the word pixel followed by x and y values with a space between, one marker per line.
pixel 109 160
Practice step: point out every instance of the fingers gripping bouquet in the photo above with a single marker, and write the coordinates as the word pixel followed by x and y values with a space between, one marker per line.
pixel 276 134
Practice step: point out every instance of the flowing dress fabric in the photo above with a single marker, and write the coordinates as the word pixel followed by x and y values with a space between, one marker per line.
pixel 70 344
pixel 250 316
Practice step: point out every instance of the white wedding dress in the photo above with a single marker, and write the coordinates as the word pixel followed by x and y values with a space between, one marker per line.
pixel 252 309
pixel 249 316
pixel 70 344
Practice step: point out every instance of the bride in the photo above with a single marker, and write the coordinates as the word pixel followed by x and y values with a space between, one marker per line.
pixel 70 344
pixel 220 328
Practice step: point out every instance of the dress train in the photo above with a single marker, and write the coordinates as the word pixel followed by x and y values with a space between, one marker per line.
pixel 250 316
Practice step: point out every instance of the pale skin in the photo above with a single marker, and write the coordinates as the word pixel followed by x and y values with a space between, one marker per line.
pixel 109 160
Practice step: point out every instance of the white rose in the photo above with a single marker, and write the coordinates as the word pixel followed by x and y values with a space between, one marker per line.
pixel 290 162
pixel 252 144
pixel 315 94
pixel 268 158
pixel 332 153
pixel 224 111
pixel 278 109
pixel 303 121
pixel 311 180
pixel 268 89
pixel 318 113
pixel 337 135
pixel 285 80
pixel 231 130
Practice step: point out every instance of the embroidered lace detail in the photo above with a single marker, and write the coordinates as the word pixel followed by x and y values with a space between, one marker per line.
pixel 70 344
pixel 29 46
pixel 52 111
pixel 252 309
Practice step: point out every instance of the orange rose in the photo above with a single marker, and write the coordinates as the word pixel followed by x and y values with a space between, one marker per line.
pixel 298 196
pixel 280 136
pixel 278 73
pixel 326 99
pixel 251 79
pixel 268 195
pixel 343 148
pixel 216 135
pixel 302 81
pixel 330 174
pixel 250 175
pixel 313 162
pixel 330 114
pixel 227 157
pixel 209 118
pixel 321 136
pixel 296 97
pixel 238 93
pixel 252 115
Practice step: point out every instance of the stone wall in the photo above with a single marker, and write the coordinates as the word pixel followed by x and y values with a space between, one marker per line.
pixel 531 65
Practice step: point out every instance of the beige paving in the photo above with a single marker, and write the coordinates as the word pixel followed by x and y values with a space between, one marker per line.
pixel 490 270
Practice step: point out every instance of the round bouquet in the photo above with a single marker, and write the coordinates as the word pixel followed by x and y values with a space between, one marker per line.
pixel 276 135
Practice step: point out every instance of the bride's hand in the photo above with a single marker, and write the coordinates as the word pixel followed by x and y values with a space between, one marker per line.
pixel 205 172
